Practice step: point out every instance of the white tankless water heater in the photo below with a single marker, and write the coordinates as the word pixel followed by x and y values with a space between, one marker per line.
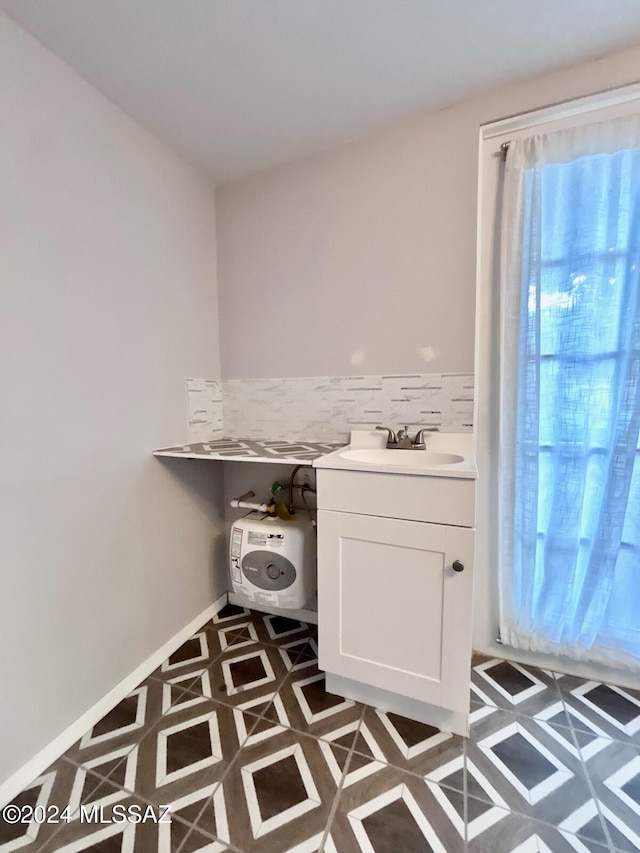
pixel 272 561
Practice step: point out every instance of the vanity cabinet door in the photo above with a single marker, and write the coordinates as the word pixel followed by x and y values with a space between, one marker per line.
pixel 393 611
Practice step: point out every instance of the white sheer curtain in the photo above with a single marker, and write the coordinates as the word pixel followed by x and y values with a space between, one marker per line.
pixel 569 505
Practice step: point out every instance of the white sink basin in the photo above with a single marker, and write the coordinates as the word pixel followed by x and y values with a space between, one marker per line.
pixel 402 458
pixel 448 454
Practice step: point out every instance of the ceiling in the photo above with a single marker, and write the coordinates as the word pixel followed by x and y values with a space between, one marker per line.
pixel 235 86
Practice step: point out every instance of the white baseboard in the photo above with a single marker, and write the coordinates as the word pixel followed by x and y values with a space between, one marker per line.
pixel 621 677
pixel 59 745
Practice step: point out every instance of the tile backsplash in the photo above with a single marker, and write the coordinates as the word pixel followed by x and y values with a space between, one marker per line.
pixel 327 408
pixel 204 404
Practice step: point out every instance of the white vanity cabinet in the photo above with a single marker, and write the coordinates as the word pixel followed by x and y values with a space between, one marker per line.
pixel 395 590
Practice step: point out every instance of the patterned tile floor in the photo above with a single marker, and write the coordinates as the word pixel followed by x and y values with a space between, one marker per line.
pixel 237 734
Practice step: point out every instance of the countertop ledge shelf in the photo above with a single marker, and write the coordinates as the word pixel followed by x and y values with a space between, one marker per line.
pixel 250 450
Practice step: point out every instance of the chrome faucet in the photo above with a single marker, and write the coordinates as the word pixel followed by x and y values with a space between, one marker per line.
pixel 404 440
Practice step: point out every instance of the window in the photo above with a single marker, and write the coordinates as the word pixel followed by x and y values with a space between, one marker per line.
pixel 570 410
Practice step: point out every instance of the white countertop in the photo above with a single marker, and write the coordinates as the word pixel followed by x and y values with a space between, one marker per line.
pixel 250 450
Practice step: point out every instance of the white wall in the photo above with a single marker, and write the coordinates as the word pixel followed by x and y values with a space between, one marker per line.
pixel 370 247
pixel 108 303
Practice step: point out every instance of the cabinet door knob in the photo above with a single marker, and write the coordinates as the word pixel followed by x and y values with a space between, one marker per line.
pixel 457 566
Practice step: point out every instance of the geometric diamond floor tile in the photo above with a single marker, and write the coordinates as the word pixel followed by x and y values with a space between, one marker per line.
pixel 623 837
pixel 586 822
pixel 531 768
pixel 240 635
pixel 207 806
pixel 279 627
pixel 196 653
pixel 452 799
pixel 532 771
pixel 513 833
pixel 228 615
pixel 252 729
pixel 243 673
pixel 615 776
pixel 513 686
pixel 315 702
pixel 335 747
pixel 60 790
pixel 128 716
pixel 187 751
pixel 247 671
pixel 126 724
pixel 396 810
pixel 555 715
pixel 112 838
pixel 281 790
pixel 187 747
pixel 22 834
pixel 236 731
pixel 281 630
pixel 615 704
pixel 195 650
pixel 100 828
pixel 278 788
pixel 298 654
pixel 393 810
pixel 611 711
pixel 197 842
pixel 310 708
pixel 177 698
pixel 481 816
pixel 552 721
pixel 173 690
pixel 412 746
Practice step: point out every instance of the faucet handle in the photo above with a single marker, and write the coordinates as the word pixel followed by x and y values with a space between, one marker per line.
pixel 391 436
pixel 418 442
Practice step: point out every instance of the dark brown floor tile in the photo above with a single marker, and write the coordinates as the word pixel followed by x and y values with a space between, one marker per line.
pixel 296 654
pixel 514 687
pixel 306 706
pixel 198 842
pixel 281 630
pixel 230 615
pixel 412 746
pixel 240 634
pixel 552 719
pixel 612 711
pixel 277 794
pixel 496 830
pixel 299 654
pixel 194 655
pixel 393 811
pixel 240 675
pixel 614 770
pixel 189 751
pixel 528 767
pixel 622 838
pixel 125 725
pixel 117 821
pixel 57 794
